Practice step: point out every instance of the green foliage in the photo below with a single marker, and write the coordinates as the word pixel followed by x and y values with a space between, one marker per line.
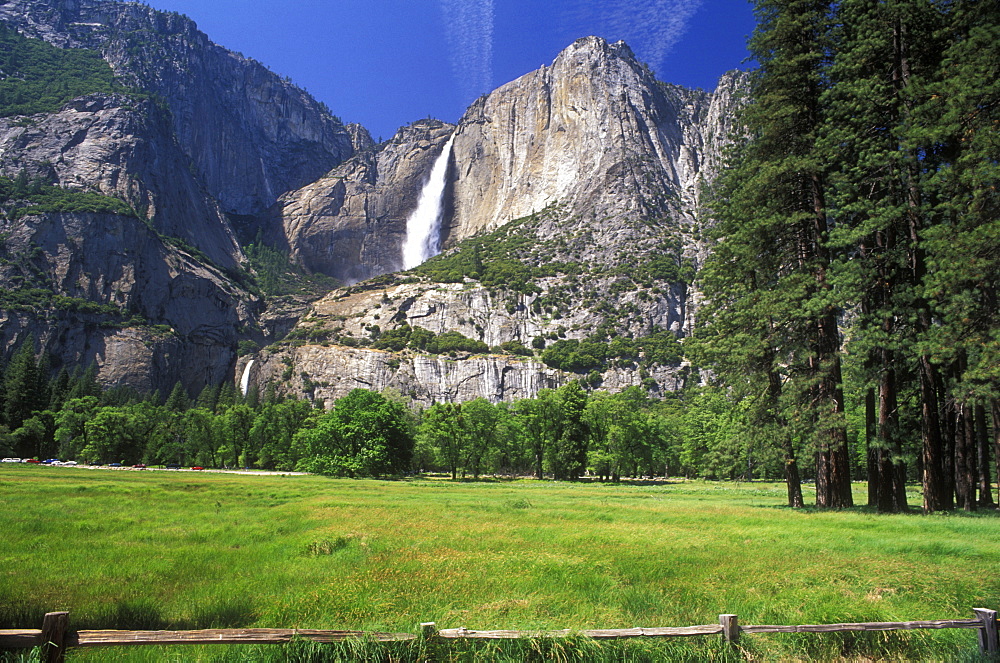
pixel 364 434
pixel 419 339
pixel 574 355
pixel 453 341
pixel 509 258
pixel 22 196
pixel 661 348
pixel 516 348
pixel 277 275
pixel 39 77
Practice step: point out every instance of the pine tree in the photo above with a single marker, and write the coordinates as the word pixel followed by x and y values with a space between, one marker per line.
pixel 866 112
pixel 178 400
pixel 778 190
pixel 23 386
pixel 956 120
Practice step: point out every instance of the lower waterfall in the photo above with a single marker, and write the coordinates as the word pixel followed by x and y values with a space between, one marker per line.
pixel 245 380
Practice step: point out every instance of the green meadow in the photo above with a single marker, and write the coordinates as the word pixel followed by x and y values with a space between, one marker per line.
pixel 160 549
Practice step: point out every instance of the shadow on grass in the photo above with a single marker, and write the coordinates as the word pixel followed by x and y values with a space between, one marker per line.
pixel 141 614
pixel 20 613
pixel 513 478
pixel 870 510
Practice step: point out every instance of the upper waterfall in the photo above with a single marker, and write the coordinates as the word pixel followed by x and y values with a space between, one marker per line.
pixel 423 227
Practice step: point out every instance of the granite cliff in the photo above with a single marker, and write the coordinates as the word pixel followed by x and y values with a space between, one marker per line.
pixel 249 134
pixel 351 222
pixel 571 222
pixel 572 213
pixel 198 141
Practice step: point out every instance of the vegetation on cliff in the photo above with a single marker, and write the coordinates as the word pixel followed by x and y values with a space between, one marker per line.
pixel 37 77
pixel 24 195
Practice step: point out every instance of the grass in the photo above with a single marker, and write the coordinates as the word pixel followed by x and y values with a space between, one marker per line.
pixel 170 550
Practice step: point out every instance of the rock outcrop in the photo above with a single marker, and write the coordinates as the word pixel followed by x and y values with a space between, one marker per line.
pixel 110 292
pixel 351 223
pixel 125 149
pixel 594 131
pixel 573 212
pixel 207 138
pixel 250 135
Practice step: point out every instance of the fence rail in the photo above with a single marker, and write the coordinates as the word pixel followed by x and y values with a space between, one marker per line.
pixel 55 638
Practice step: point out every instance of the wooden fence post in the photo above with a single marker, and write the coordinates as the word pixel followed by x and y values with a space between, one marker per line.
pixel 730 628
pixel 54 636
pixel 988 633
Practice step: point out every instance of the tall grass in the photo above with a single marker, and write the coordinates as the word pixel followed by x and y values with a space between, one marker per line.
pixel 172 550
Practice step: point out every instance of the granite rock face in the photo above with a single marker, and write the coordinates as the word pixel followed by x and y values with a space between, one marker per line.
pixel 146 313
pixel 351 223
pixel 590 174
pixel 120 148
pixel 213 138
pixel 587 173
pixel 595 131
pixel 249 135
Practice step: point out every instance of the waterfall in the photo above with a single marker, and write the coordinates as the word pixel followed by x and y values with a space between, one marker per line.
pixel 245 380
pixel 423 228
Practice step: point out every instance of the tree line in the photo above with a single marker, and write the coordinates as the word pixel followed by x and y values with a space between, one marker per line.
pixel 857 248
pixel 562 433
pixel 702 431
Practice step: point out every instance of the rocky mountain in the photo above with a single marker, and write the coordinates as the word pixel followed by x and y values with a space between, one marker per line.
pixel 249 134
pixel 351 223
pixel 572 217
pixel 195 141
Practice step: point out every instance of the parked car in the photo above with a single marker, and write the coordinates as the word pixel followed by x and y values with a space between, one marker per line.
pixel 139 466
pixel 33 461
pixel 11 460
pixel 69 463
pixel 115 465
pixel 197 467
pixel 173 466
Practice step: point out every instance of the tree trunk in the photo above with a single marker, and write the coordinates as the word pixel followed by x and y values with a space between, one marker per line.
pixel 965 458
pixel 793 482
pixel 871 453
pixel 891 492
pixel 833 459
pixel 983 454
pixel 996 441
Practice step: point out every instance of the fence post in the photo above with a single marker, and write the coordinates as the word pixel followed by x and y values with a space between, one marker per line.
pixel 988 633
pixel 730 628
pixel 54 636
pixel 428 630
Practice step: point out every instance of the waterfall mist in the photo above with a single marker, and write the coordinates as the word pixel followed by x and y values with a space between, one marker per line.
pixel 423 227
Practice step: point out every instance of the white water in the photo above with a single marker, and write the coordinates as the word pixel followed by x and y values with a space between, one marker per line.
pixel 423 228
pixel 245 380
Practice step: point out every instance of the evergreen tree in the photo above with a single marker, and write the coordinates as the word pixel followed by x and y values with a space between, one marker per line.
pixel 775 202
pixel 956 114
pixel 178 400
pixel 866 112
pixel 23 386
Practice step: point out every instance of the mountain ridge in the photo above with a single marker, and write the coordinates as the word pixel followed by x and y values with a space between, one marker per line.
pixel 344 211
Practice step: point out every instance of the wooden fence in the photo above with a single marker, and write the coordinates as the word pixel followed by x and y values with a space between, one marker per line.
pixel 55 637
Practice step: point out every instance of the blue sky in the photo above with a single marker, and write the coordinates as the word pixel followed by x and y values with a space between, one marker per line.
pixel 385 63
